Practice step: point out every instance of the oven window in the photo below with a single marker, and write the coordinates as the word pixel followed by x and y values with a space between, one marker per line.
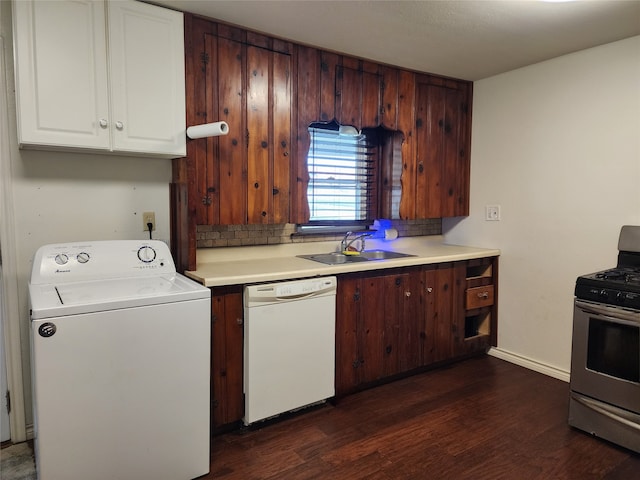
pixel 614 349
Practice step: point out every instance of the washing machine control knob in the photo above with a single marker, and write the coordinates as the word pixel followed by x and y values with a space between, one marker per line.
pixel 147 254
pixel 82 257
pixel 61 259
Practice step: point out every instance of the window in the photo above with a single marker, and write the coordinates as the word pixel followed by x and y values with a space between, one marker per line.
pixel 342 174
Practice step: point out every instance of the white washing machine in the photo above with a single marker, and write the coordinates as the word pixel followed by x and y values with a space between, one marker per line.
pixel 120 347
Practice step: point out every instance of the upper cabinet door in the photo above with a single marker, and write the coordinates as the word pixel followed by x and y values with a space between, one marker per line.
pixel 90 81
pixel 357 97
pixel 61 74
pixel 242 177
pixel 146 65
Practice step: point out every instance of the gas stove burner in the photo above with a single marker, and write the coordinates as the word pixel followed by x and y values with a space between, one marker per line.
pixel 611 275
pixel 620 275
pixel 619 285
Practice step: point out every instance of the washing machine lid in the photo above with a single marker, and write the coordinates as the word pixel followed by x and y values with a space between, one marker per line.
pixel 55 300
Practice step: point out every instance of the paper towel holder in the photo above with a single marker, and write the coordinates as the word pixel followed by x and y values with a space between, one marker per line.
pixel 214 129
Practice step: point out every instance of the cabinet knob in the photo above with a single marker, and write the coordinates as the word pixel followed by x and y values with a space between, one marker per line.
pixel 429 289
pixel 103 123
pixel 119 125
pixel 483 295
pixel 407 294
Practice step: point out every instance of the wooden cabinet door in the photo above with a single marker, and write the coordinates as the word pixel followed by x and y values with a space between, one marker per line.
pixel 374 330
pixel 377 328
pixel 268 115
pixel 61 103
pixel 246 174
pixel 401 346
pixel 441 153
pixel 358 97
pixel 438 314
pixel 348 297
pixel 444 291
pixel 227 155
pixel 360 331
pixel 227 400
pixel 146 69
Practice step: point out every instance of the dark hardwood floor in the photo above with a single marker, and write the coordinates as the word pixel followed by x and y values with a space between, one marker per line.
pixel 479 419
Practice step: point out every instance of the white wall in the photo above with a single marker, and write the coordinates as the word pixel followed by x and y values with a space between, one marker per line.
pixel 557 145
pixel 61 197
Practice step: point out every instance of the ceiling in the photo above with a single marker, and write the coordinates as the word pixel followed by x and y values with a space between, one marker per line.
pixel 468 39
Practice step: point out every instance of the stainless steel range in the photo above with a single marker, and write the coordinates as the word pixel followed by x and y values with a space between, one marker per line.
pixel 605 358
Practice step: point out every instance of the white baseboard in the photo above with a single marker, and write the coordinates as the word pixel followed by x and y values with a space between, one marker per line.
pixel 530 364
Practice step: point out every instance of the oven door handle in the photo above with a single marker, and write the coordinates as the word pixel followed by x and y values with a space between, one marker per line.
pixel 615 314
pixel 594 406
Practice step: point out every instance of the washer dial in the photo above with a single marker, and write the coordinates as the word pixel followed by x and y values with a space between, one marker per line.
pixel 83 257
pixel 146 254
pixel 61 259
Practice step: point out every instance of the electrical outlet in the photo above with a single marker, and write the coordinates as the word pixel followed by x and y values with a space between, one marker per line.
pixel 492 213
pixel 148 217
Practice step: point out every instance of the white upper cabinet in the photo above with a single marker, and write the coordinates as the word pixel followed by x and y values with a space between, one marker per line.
pixel 146 68
pixel 100 77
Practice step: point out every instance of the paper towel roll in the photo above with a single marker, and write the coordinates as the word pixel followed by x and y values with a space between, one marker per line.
pixel 214 129
pixel 390 234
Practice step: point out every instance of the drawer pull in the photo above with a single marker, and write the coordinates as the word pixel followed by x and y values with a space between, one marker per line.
pixel 479 297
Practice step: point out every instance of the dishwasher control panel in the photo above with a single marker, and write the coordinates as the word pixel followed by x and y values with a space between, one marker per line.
pixel 283 291
pixel 301 288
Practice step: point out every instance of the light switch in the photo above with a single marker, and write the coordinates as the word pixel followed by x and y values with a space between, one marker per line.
pixel 492 213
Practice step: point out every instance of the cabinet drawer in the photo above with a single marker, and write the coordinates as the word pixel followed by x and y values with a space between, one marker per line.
pixel 479 297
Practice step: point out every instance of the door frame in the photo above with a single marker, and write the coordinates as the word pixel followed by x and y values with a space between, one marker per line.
pixel 10 307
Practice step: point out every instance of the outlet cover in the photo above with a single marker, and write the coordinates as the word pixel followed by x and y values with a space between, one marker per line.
pixel 148 217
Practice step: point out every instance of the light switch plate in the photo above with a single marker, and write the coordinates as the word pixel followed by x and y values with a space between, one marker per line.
pixel 492 213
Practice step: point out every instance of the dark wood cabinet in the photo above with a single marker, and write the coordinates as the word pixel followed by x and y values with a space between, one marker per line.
pixel 243 79
pixel 393 322
pixel 269 91
pixel 441 168
pixel 377 327
pixel 227 399
pixel 442 310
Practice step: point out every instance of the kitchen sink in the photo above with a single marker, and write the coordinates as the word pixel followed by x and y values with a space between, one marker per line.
pixel 334 258
pixel 383 255
pixel 337 258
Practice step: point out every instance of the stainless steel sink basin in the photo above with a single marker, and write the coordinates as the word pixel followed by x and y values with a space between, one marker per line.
pixel 383 255
pixel 336 258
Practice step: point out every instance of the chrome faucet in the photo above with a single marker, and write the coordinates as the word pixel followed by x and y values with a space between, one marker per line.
pixel 345 243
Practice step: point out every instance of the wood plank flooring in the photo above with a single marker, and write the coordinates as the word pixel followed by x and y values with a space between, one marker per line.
pixel 483 418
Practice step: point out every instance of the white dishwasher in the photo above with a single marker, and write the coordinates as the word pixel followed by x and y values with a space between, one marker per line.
pixel 289 346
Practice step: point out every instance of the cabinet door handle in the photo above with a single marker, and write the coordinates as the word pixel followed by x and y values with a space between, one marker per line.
pixel 119 125
pixel 103 123
pixel 483 295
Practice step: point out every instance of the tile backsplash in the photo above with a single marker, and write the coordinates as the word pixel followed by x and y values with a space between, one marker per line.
pixel 208 236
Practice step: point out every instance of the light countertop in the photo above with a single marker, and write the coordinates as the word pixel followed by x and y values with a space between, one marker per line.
pixel 265 263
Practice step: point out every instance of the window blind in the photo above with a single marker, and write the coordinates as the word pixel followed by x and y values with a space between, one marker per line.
pixel 341 176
